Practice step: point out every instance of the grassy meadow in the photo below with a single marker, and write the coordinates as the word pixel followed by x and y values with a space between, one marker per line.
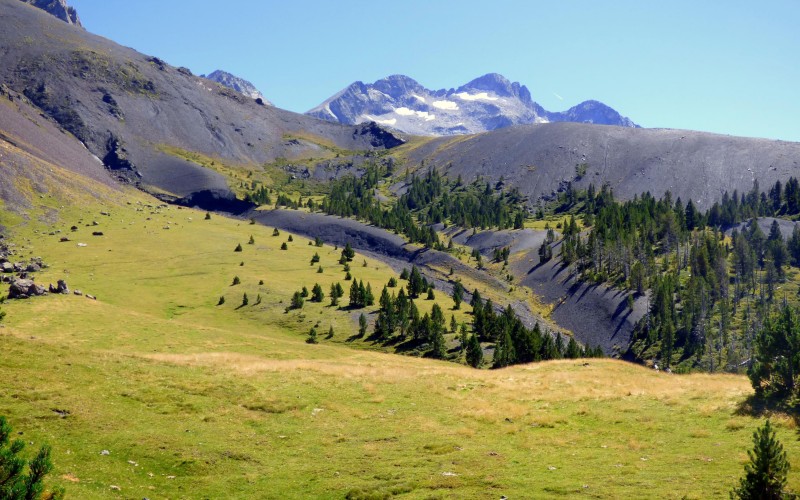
pixel 197 400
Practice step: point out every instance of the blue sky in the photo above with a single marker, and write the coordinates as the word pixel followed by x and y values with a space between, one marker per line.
pixel 728 67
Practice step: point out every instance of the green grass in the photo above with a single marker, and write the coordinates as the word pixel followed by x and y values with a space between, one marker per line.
pixel 195 400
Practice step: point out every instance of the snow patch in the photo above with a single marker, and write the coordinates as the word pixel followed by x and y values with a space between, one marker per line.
pixel 410 112
pixel 328 109
pixel 418 97
pixel 448 105
pixel 482 96
pixel 390 121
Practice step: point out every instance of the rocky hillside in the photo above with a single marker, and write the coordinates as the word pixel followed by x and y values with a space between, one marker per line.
pixel 238 84
pixel 137 113
pixel 486 103
pixel 541 159
pixel 57 8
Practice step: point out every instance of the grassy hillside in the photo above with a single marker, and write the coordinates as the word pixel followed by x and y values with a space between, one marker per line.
pixel 194 399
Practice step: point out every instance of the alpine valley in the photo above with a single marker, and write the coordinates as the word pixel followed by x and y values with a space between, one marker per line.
pixel 402 292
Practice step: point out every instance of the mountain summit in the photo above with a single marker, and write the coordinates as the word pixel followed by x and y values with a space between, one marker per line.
pixel 59 9
pixel 486 103
pixel 236 83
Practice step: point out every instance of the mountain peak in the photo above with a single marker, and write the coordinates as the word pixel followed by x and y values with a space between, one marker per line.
pixel 236 83
pixel 488 102
pixel 397 85
pixel 493 82
pixel 57 8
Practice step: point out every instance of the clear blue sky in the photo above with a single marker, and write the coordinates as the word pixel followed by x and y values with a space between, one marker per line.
pixel 731 67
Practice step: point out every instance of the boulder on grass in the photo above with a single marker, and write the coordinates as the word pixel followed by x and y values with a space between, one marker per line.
pixel 23 289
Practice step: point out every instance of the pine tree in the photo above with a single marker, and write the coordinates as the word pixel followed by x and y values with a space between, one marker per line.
pixel 219 303
pixel 297 301
pixel 334 294
pixel 362 325
pixel 415 286
pixel 317 295
pixel 252 240
pixel 765 474
pixel 348 253
pixel 14 483
pixel 245 300
pixel 312 336
pixel 355 297
pixel 369 298
pixel 438 350
pixel 238 248
pixel 458 295
pixel 573 350
pixel 474 352
pixel 504 353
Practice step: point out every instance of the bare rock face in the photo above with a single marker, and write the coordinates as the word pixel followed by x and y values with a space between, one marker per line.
pixel 236 83
pixel 59 9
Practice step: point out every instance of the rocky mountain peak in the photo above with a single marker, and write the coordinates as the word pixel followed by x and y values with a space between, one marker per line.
pixel 488 102
pixel 236 83
pixel 397 85
pixel 492 82
pixel 499 85
pixel 59 9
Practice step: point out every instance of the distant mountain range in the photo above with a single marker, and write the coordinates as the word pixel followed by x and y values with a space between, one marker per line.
pixel 486 103
pixel 236 83
pixel 153 124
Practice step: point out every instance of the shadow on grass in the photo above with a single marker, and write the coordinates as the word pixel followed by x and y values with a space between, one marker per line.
pixel 760 407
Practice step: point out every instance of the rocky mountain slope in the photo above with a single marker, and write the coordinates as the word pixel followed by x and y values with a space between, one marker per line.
pixel 135 111
pixel 236 83
pixel 541 159
pixel 486 103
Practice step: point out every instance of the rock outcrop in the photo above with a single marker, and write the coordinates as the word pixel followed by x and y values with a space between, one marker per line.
pixel 59 9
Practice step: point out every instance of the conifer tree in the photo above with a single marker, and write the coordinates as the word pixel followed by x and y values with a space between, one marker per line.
pixel 334 294
pixel 14 483
pixel 312 336
pixel 438 350
pixel 474 352
pixel 458 295
pixel 504 354
pixel 415 285
pixel 297 301
pixel 765 474
pixel 362 325
pixel 317 295
pixel 348 253
pixel 369 298
pixel 573 350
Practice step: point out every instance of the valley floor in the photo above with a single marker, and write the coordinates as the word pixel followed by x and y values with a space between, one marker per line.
pixel 192 399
